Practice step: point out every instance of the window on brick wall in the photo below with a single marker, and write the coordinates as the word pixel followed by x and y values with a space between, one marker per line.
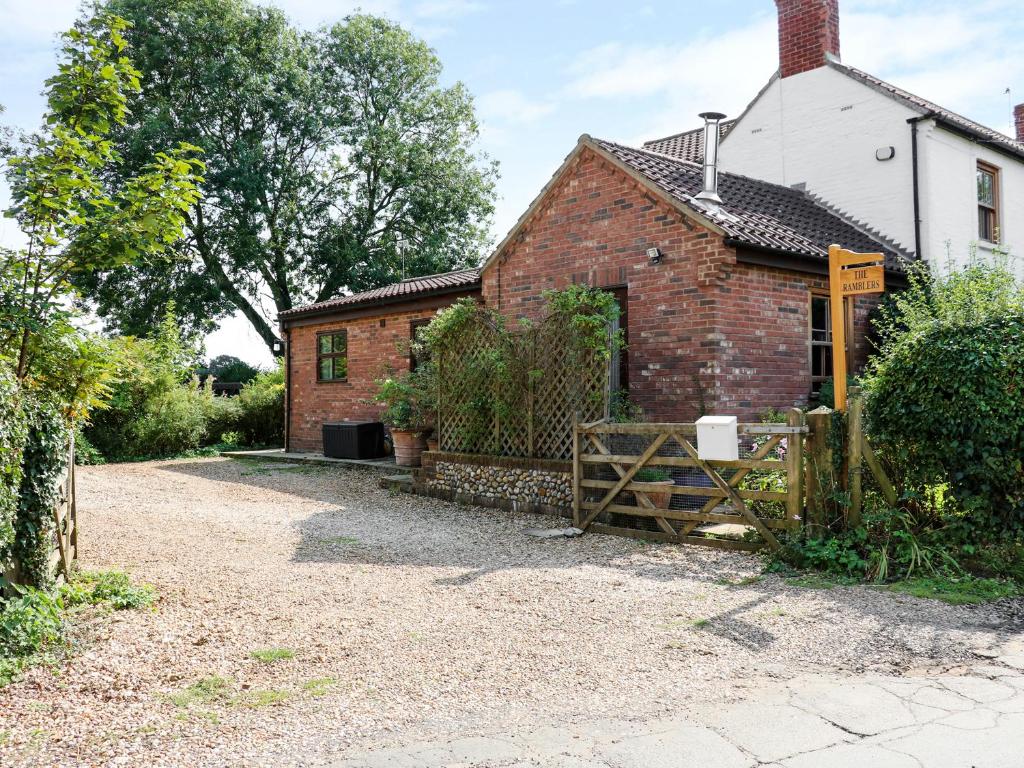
pixel 332 356
pixel 988 202
pixel 414 328
pixel 821 341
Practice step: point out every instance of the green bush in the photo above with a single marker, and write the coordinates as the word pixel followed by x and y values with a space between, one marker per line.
pixel 222 417
pixel 85 452
pixel 113 588
pixel 261 410
pixel 12 440
pixel 945 392
pixel 30 624
pixel 172 421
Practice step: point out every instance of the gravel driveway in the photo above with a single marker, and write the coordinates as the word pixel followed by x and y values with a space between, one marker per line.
pixel 412 619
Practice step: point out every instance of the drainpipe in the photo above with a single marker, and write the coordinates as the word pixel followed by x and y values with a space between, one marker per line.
pixel 286 333
pixel 917 191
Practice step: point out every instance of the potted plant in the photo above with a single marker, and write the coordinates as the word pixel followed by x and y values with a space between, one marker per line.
pixel 403 401
pixel 651 476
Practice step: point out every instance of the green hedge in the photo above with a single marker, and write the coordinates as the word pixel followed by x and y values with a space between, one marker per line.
pixel 946 392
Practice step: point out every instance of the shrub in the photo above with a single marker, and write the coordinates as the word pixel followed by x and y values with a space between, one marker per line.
pixel 944 394
pixel 85 452
pixel 261 410
pixel 222 418
pixel 30 624
pixel 113 588
pixel 173 421
pixel 12 441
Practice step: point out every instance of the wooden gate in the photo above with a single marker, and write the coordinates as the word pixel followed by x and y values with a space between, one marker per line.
pixel 688 498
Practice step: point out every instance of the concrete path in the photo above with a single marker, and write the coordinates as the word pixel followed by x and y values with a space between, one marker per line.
pixel 971 720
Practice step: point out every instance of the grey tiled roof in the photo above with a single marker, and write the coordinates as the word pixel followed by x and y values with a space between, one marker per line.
pixel 413 287
pixel 688 145
pixel 757 213
pixel 979 131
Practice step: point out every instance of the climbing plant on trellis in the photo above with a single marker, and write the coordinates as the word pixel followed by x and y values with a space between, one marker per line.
pixel 516 393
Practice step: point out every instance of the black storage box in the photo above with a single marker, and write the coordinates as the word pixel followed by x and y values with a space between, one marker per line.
pixel 354 439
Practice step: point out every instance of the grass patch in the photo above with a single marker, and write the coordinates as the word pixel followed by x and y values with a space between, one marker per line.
pixel 963 591
pixel 270 655
pixel 813 581
pixel 319 686
pixel 742 582
pixel 204 691
pixel 698 623
pixel 266 698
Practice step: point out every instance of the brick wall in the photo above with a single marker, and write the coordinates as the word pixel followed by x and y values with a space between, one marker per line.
pixel 705 333
pixel 808 32
pixel 1018 121
pixel 373 345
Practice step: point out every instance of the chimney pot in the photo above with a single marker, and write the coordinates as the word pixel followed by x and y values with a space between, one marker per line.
pixel 709 192
pixel 1018 121
pixel 808 34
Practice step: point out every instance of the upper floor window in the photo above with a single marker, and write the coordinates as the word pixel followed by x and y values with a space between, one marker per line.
pixel 332 356
pixel 988 202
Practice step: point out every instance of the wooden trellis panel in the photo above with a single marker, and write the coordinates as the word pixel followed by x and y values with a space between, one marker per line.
pixel 547 382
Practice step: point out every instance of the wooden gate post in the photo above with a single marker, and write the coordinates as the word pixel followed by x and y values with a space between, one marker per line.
pixel 819 468
pixel 577 471
pixel 855 452
pixel 795 469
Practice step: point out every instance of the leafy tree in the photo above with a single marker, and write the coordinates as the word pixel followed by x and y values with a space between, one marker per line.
pixel 79 212
pixel 229 368
pixel 335 160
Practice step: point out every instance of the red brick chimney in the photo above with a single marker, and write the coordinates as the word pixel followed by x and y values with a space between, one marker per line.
pixel 808 34
pixel 1018 121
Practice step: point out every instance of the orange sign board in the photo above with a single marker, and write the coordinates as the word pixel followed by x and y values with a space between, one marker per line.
pixel 860 280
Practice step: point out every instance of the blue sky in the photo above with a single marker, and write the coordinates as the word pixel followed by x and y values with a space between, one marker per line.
pixel 545 72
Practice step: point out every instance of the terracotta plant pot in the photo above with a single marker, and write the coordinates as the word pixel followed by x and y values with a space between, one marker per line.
pixel 661 499
pixel 432 443
pixel 409 444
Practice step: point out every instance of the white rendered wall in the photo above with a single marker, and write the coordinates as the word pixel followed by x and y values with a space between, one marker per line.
pixel 949 219
pixel 821 128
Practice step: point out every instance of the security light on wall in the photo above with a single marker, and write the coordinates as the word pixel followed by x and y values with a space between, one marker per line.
pixel 654 255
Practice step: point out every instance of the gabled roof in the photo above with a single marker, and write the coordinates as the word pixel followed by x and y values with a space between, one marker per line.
pixel 757 213
pixel 688 145
pixel 410 288
pixel 924 107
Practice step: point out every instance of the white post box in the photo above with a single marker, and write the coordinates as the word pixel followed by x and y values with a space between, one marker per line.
pixel 717 439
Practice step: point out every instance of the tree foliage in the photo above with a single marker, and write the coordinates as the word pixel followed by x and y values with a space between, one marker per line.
pixel 78 209
pixel 335 160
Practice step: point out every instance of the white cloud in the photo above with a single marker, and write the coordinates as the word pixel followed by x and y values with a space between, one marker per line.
pixel 675 83
pixel 511 106
pixel 446 8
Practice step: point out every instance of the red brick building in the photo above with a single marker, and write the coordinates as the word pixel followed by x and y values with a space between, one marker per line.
pixel 723 303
